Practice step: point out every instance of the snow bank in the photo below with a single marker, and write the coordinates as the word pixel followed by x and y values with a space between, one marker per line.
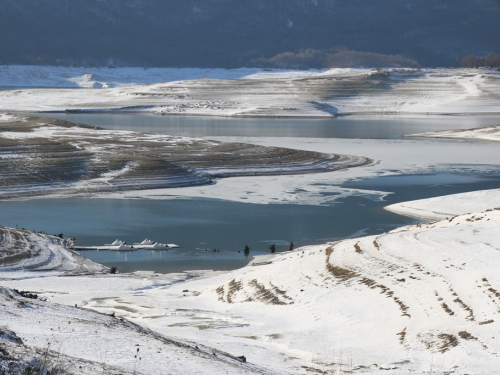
pixel 24 250
pixel 491 133
pixel 396 301
pixel 253 92
pixel 85 342
pixel 445 207
pixel 422 298
pixel 65 77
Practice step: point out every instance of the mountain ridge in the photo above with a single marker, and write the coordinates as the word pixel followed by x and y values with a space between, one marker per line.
pixel 229 33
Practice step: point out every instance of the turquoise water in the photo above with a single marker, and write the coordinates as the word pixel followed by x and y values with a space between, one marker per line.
pixel 368 127
pixel 199 225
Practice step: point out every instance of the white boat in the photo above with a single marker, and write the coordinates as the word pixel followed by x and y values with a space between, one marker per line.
pixel 118 245
pixel 146 242
pixel 151 245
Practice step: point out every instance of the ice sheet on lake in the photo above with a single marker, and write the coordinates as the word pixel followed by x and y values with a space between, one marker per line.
pixel 392 157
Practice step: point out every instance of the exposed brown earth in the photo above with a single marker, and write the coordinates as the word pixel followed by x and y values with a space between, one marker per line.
pixel 42 156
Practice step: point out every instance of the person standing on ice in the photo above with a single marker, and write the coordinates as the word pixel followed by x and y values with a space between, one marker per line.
pixel 291 246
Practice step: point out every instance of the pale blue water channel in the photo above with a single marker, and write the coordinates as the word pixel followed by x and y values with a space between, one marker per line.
pixel 366 127
pixel 199 224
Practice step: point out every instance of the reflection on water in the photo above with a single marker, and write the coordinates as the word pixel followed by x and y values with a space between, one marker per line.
pixel 199 225
pixel 367 127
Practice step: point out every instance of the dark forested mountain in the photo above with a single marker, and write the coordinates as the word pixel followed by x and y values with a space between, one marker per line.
pixel 233 33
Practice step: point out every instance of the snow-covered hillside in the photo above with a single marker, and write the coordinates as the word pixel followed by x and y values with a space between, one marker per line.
pixel 423 298
pixel 252 93
pixel 22 250
pixel 440 208
pixel 65 77
pixel 73 340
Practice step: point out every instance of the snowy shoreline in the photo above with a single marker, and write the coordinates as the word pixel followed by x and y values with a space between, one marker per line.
pixel 50 157
pixel 421 298
pixel 435 287
pixel 487 134
pixel 252 92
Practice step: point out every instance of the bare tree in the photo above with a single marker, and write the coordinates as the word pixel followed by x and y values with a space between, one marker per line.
pixel 469 61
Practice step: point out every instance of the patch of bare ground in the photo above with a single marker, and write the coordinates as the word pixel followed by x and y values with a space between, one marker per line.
pixel 266 295
pixel 329 251
pixel 343 274
pixel 447 342
pixel 492 293
pixel 77 159
pixel 234 286
pixel 272 295
pixel 275 336
pixel 339 273
pixel 495 292
pixel 280 292
pixel 489 321
pixel 447 309
pixel 14 246
pixel 441 342
pixel 251 337
pixel 466 308
pixel 220 293
pixel 466 335
pixel 357 248
pixel 402 336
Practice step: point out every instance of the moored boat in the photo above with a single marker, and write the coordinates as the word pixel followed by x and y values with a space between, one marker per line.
pixel 118 245
pixel 151 245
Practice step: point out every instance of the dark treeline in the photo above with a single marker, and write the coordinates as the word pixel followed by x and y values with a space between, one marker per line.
pixel 341 58
pixel 235 33
pixel 491 60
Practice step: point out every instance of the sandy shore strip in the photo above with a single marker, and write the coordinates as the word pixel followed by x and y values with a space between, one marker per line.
pixel 435 287
pixel 254 93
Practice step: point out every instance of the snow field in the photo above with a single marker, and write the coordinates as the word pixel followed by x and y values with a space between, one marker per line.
pixel 420 298
pixel 252 92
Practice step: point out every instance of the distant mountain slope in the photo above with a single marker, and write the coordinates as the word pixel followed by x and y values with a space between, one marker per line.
pixel 230 33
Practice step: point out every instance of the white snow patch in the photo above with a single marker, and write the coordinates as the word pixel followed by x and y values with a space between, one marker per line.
pixel 491 133
pixel 448 206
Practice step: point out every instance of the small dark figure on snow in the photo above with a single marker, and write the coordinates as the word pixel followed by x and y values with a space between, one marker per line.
pixel 246 250
pixel 291 246
pixel 272 248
